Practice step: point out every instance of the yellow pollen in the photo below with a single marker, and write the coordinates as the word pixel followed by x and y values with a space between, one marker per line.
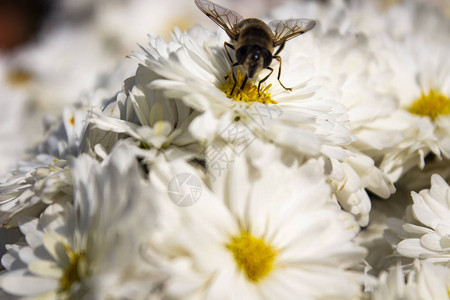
pixel 250 92
pixel 432 105
pixel 252 255
pixel 144 146
pixel 19 77
pixel 74 271
pixel 72 121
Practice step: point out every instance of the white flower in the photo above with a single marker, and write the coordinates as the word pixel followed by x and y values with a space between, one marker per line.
pixel 259 234
pixel 307 120
pixel 88 250
pixel 421 82
pixel 425 231
pixel 347 64
pixel 18 127
pixel 144 116
pixel 425 281
pixel 399 18
pixel 55 83
pixel 33 186
pixel 351 178
pixel 45 177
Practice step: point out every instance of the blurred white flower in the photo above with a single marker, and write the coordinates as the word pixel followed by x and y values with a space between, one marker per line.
pixel 400 18
pixel 33 186
pixel 278 235
pixel 424 281
pixel 421 82
pixel 65 63
pixel 45 177
pixel 88 249
pixel 18 129
pixel 424 232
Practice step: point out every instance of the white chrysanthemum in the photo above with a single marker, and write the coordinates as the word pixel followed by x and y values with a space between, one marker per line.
pixel 399 18
pixel 421 81
pixel 33 186
pixel 18 130
pixel 144 116
pixel 259 235
pixel 45 178
pixel 307 120
pixel 53 84
pixel 425 281
pixel 348 65
pixel 425 231
pixel 87 250
pixel 351 178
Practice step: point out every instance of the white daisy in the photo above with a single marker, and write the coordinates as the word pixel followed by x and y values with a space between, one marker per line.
pixel 32 187
pixel 348 65
pixel 425 281
pixel 421 81
pixel 307 120
pixel 145 117
pixel 273 233
pixel 88 250
pixel 45 177
pixel 399 18
pixel 18 130
pixel 424 232
pixel 53 84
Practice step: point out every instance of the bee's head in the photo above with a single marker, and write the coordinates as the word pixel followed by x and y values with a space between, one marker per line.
pixel 253 59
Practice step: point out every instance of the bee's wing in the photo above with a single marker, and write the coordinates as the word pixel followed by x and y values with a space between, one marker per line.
pixel 224 17
pixel 284 30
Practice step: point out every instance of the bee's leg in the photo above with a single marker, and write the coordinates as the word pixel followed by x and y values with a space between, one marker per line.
pixel 225 45
pixel 244 82
pixel 234 77
pixel 264 79
pixel 279 49
pixel 279 71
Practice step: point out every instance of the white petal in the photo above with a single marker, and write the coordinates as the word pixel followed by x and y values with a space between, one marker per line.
pixel 28 285
pixel 46 269
pixel 413 248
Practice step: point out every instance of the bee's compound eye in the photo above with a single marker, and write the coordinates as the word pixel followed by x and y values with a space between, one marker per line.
pixel 267 56
pixel 256 56
pixel 242 53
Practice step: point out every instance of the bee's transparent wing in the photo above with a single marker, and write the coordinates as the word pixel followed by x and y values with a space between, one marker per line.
pixel 284 30
pixel 222 16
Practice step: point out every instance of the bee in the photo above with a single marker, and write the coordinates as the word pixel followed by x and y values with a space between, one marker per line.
pixel 253 40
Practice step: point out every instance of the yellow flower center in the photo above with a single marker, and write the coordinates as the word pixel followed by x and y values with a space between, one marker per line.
pixel 19 77
pixel 74 271
pixel 253 256
pixel 432 105
pixel 249 93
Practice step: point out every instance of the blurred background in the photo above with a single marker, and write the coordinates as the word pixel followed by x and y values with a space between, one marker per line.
pixel 52 52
